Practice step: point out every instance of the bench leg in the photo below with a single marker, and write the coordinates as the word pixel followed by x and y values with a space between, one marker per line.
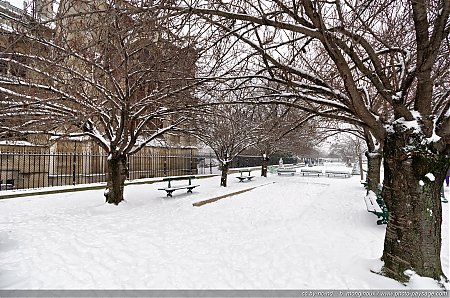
pixel 169 193
pixel 189 190
pixel 382 221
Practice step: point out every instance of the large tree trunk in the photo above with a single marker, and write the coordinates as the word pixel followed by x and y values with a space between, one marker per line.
pixel 373 171
pixel 223 178
pixel 361 171
pixel 264 165
pixel 412 181
pixel 117 173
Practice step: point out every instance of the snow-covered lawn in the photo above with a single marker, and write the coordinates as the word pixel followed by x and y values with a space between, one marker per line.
pixel 292 232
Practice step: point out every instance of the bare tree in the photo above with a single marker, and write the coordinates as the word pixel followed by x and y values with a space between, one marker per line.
pixel 363 141
pixel 117 75
pixel 283 129
pixel 336 57
pixel 228 129
pixel 348 147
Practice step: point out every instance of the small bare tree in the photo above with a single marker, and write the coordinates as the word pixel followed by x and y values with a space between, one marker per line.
pixel 283 129
pixel 228 129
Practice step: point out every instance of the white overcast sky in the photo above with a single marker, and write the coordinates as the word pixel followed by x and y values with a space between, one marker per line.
pixel 16 3
pixel 19 3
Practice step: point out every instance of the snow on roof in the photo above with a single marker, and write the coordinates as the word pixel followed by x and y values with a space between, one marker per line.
pixel 17 143
pixel 161 143
pixel 6 27
pixel 13 7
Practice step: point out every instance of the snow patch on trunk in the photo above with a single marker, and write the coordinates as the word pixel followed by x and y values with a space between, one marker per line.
pixel 430 176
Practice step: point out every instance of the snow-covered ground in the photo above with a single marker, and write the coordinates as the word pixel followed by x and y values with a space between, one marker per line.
pixel 291 232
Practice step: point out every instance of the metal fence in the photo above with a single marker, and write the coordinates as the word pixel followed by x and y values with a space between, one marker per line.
pixel 22 170
pixel 245 161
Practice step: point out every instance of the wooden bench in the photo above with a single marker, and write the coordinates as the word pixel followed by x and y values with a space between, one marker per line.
pixel 243 177
pixel 373 206
pixel 306 171
pixel 338 173
pixel 170 189
pixel 287 171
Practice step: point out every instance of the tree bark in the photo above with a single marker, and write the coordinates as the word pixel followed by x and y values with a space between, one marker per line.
pixel 117 174
pixel 223 178
pixel 373 171
pixel 264 165
pixel 361 171
pixel 411 191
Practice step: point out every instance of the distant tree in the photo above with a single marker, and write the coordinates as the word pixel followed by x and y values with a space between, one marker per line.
pixel 349 146
pixel 343 149
pixel 283 129
pixel 228 129
pixel 117 75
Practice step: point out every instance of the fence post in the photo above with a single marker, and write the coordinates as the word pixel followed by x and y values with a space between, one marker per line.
pixel 210 163
pixel 165 164
pixel 128 166
pixel 74 168
pixel 190 162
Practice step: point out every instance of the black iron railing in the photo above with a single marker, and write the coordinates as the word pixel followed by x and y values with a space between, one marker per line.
pixel 23 170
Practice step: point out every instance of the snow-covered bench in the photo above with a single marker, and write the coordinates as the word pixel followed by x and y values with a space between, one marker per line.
pixel 287 171
pixel 307 171
pixel 373 206
pixel 170 189
pixel 346 174
pixel 243 177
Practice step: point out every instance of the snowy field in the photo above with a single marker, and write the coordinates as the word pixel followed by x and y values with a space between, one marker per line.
pixel 291 232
